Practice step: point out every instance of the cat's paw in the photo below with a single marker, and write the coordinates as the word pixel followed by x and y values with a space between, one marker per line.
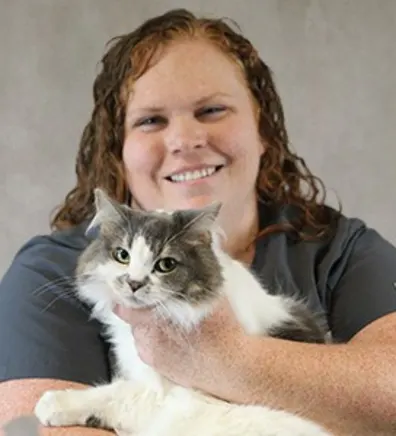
pixel 58 408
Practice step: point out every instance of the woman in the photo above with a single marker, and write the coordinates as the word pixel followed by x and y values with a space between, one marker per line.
pixel 186 113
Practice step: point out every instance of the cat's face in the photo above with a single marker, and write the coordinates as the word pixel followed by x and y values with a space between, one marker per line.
pixel 153 258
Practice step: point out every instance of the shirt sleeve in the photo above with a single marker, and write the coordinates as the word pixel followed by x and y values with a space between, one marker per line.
pixel 45 332
pixel 363 284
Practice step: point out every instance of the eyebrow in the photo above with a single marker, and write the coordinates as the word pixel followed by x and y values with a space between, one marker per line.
pixel 211 97
pixel 156 109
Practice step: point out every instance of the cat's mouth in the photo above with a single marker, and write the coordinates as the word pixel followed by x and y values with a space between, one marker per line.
pixel 137 300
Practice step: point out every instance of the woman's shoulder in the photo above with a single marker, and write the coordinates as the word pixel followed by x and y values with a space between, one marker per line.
pixel 350 235
pixel 72 238
pixel 341 232
pixel 320 263
pixel 58 249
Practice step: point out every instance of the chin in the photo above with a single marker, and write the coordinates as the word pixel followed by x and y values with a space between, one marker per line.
pixel 197 202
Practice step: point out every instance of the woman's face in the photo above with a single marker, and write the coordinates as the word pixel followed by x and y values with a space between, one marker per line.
pixel 191 134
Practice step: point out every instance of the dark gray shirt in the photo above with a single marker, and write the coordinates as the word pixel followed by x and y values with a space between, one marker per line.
pixel 46 332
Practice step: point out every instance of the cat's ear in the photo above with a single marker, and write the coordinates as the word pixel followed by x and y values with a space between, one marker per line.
pixel 104 204
pixel 209 213
pixel 106 209
pixel 202 219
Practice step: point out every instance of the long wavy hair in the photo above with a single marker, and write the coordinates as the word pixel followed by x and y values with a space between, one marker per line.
pixel 283 179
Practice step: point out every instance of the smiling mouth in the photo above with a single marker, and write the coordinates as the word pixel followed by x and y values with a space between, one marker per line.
pixel 188 176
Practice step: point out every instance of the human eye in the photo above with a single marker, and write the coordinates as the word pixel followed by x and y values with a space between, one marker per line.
pixel 211 111
pixel 150 122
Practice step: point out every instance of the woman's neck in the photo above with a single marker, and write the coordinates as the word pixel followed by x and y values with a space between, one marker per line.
pixel 241 236
pixel 241 232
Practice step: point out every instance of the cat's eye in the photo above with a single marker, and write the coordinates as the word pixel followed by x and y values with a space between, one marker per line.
pixel 121 255
pixel 165 265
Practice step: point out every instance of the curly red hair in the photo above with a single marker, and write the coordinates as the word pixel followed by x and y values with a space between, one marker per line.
pixel 283 179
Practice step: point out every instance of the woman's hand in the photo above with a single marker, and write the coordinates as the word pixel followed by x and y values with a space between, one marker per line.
pixel 208 358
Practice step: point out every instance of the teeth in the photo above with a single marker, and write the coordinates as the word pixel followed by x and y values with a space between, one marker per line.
pixel 193 175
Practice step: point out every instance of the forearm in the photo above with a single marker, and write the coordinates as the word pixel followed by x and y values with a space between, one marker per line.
pixel 18 398
pixel 349 388
pixel 14 426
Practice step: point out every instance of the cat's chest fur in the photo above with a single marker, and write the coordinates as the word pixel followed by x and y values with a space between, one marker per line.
pixel 255 309
pixel 129 365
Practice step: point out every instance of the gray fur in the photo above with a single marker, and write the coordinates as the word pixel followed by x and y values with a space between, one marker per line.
pixel 182 235
pixel 304 326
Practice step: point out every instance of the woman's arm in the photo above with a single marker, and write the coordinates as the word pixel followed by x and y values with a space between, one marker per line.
pixel 46 337
pixel 18 398
pixel 349 388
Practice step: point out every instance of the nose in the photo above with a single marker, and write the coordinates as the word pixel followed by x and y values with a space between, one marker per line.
pixel 135 284
pixel 186 134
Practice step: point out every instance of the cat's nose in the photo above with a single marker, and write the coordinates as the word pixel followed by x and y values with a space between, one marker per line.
pixel 135 285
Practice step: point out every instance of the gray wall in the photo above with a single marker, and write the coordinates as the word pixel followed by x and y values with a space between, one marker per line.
pixel 334 62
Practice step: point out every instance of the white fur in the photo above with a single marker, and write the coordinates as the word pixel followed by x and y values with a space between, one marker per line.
pixel 140 402
pixel 142 258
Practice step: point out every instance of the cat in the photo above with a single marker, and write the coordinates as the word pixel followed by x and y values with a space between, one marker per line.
pixel 173 262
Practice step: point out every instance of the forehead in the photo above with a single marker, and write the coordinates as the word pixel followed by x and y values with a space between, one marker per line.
pixel 188 70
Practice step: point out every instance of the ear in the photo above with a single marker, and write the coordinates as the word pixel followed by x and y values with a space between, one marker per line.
pixel 202 219
pixel 103 203
pixel 107 210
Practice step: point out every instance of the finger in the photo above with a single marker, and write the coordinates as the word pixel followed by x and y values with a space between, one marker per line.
pixel 132 316
pixel 223 307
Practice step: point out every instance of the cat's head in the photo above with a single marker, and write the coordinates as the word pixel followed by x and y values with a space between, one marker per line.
pixel 144 259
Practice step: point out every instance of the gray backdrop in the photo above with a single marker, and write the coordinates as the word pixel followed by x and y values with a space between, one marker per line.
pixel 334 64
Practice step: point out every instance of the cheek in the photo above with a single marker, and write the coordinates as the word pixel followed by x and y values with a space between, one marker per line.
pixel 244 153
pixel 156 287
pixel 142 155
pixel 161 288
pixel 239 139
pixel 112 274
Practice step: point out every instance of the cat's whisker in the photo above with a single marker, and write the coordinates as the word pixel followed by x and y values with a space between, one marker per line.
pixel 176 294
pixel 176 235
pixel 166 315
pixel 189 224
pixel 55 299
pixel 164 310
pixel 62 291
pixel 66 280
pixel 69 281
